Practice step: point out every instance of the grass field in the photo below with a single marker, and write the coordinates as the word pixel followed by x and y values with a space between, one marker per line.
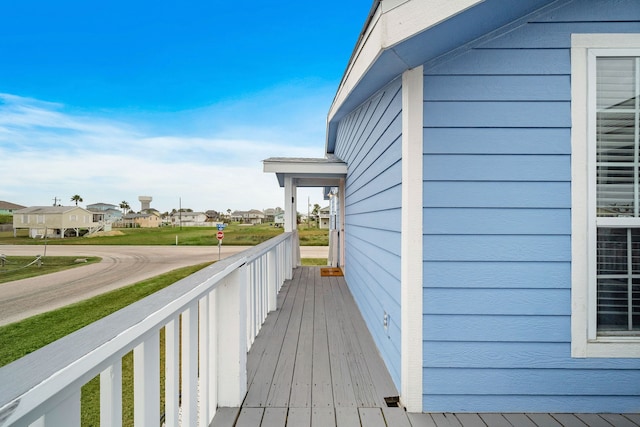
pixel 234 234
pixel 21 338
pixel 22 267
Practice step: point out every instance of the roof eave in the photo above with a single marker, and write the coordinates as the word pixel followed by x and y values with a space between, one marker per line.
pixel 389 24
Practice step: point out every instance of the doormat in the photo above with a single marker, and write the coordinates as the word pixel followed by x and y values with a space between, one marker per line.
pixel 330 271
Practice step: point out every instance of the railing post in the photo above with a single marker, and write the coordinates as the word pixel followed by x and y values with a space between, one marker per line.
pixel 111 395
pixel 146 385
pixel 67 413
pixel 232 338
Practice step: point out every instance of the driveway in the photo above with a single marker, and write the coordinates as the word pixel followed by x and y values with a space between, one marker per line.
pixel 120 266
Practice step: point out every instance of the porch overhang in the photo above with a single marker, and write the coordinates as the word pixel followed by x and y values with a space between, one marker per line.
pixel 307 172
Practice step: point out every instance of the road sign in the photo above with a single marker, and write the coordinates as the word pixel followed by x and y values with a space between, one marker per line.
pixel 220 227
pixel 220 235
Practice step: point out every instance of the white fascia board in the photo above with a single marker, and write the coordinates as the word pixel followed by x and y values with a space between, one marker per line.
pixel 306 168
pixel 388 28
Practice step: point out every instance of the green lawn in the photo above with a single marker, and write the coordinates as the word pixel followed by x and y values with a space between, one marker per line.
pixel 22 267
pixel 234 234
pixel 21 338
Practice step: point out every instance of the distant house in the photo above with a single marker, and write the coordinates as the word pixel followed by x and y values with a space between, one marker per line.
pixel 110 212
pixel 253 216
pixel 278 219
pixel 134 220
pixel 189 219
pixel 55 221
pixel 8 208
pixel 270 214
pixel 324 218
pixel 488 213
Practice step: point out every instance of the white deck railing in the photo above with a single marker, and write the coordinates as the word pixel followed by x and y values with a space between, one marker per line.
pixel 211 317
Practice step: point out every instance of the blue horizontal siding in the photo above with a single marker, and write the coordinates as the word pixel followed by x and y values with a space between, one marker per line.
pixel 385 199
pixel 497 248
pixel 551 35
pixel 491 114
pixel 386 167
pixel 368 140
pixel 498 274
pixel 373 288
pixel 501 301
pixel 509 355
pixel 499 194
pixel 497 141
pixel 506 62
pixel 611 12
pixel 497 88
pixel 495 328
pixel 548 382
pixel 497 222
pixel 490 167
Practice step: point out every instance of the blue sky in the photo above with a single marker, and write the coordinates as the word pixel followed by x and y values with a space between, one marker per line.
pixel 175 100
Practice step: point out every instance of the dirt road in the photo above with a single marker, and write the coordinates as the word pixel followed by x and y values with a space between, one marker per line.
pixel 120 266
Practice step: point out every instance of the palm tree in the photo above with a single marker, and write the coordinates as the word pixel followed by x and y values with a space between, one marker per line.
pixel 76 199
pixel 124 206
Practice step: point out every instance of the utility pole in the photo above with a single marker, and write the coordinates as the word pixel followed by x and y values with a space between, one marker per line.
pixel 55 201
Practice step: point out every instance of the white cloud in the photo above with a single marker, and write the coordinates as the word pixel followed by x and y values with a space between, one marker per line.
pixel 47 151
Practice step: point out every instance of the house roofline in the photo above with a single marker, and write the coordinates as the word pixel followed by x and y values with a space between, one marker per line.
pixel 388 24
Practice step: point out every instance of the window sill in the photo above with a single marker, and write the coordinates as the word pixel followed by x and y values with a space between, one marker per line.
pixel 608 347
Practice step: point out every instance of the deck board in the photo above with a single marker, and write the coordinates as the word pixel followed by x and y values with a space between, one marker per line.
pixel 280 388
pixel 323 417
pixel 258 389
pixel 274 417
pixel 322 393
pixel 371 417
pixel 343 393
pixel 302 374
pixel 314 363
pixel 347 417
pixel 495 420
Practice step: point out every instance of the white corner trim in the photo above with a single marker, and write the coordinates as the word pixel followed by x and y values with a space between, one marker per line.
pixel 411 240
pixel 579 204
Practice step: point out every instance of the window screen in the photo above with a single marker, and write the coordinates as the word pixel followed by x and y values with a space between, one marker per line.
pixel 618 194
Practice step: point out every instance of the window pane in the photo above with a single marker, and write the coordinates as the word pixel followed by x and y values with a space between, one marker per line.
pixel 612 251
pixel 618 283
pixel 636 305
pixel 617 144
pixel 615 80
pixel 613 305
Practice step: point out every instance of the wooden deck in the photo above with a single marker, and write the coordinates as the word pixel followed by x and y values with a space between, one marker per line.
pixel 314 363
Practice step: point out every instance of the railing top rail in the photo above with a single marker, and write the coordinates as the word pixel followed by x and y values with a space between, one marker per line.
pixel 119 330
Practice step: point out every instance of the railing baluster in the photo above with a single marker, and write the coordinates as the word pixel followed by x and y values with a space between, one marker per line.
pixel 111 395
pixel 190 365
pixel 213 353
pixel 204 361
pixel 272 293
pixel 146 385
pixel 172 372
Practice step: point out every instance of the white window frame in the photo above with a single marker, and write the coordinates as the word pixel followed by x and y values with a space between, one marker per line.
pixel 584 339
